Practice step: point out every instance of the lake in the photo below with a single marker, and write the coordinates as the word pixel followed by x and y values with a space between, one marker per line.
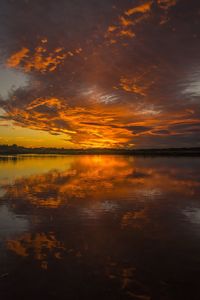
pixel 100 227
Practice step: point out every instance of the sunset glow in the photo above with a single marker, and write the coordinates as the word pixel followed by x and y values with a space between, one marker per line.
pixel 100 74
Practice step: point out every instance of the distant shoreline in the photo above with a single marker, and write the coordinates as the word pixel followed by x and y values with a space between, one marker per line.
pixel 6 150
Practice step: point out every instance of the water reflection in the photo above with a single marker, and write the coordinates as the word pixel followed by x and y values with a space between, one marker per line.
pixel 128 225
pixel 41 246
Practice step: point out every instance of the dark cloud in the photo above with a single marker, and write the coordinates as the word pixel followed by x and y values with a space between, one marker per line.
pixel 162 131
pixel 185 126
pixel 138 129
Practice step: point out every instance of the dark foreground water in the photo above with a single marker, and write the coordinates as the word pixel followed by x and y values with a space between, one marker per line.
pixel 100 227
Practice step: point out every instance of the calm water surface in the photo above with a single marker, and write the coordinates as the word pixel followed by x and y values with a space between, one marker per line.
pixel 100 227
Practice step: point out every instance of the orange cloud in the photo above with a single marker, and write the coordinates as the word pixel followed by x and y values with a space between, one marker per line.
pixel 124 25
pixel 112 28
pixel 99 125
pixel 146 7
pixel 17 58
pixel 131 86
pixel 125 22
pixel 96 125
pixel 134 16
pixel 127 33
pixel 41 59
pixel 50 102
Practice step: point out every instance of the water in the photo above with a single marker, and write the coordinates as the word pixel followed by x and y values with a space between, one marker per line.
pixel 99 227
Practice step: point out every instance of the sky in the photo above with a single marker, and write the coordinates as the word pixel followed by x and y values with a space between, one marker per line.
pixel 105 74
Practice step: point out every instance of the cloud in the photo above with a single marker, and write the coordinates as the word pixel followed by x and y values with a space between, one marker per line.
pixel 143 8
pixel 130 19
pixel 166 4
pixel 17 57
pixel 103 73
pixel 138 129
pixel 56 116
pixel 131 85
pixel 41 59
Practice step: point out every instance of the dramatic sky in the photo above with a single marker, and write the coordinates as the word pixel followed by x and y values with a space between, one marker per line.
pixel 100 73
